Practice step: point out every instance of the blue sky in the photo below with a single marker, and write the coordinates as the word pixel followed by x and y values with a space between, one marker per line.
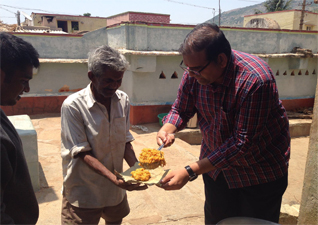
pixel 180 11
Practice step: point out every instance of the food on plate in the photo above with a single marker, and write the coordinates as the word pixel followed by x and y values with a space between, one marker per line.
pixel 141 174
pixel 151 158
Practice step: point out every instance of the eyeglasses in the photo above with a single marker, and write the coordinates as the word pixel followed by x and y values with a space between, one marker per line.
pixel 197 73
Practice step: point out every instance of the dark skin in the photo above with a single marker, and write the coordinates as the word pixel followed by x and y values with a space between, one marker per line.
pixel 12 90
pixel 129 157
pixel 103 88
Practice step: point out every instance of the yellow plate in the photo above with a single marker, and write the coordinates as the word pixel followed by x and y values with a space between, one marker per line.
pixel 156 175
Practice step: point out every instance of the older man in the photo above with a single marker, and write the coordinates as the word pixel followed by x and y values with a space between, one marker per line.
pixel 95 140
pixel 245 147
pixel 18 202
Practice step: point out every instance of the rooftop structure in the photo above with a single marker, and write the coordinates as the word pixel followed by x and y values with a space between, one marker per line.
pixel 138 16
pixel 287 19
pixel 67 23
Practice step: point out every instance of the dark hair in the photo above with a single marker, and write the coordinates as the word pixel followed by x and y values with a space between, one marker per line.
pixel 16 54
pixel 208 37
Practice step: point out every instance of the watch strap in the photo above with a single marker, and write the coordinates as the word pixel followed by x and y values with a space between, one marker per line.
pixel 192 175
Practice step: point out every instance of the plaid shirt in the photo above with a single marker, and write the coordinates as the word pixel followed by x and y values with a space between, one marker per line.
pixel 243 123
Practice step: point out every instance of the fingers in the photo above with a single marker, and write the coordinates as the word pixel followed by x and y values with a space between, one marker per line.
pixel 170 140
pixel 172 184
pixel 167 139
pixel 174 180
pixel 159 141
pixel 167 178
pixel 135 187
pixel 142 187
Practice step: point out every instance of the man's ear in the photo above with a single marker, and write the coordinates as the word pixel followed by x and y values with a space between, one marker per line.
pixel 222 60
pixel 91 75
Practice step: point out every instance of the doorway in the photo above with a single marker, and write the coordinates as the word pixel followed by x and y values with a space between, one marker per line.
pixel 63 25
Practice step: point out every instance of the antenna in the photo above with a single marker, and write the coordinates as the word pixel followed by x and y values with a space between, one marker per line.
pixel 26 15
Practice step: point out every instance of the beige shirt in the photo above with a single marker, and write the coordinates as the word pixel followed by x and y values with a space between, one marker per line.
pixel 86 127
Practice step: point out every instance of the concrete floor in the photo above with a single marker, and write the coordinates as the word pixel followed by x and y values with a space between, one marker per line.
pixel 154 205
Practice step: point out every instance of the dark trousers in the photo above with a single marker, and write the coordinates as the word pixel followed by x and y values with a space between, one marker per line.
pixel 261 201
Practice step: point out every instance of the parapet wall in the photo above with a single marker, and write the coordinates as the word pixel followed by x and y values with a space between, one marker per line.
pixel 154 74
pixel 166 37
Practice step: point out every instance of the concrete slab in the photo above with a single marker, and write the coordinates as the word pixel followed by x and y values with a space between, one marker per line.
pixel 299 127
pixel 28 135
pixel 154 205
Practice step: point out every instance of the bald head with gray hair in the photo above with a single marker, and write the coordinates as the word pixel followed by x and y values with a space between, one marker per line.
pixel 105 57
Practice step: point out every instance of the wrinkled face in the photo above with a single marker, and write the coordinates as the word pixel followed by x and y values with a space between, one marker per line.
pixel 12 90
pixel 210 71
pixel 105 85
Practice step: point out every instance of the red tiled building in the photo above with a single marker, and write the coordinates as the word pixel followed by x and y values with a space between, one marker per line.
pixel 138 16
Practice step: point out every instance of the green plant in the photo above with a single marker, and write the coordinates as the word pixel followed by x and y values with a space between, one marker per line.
pixel 277 5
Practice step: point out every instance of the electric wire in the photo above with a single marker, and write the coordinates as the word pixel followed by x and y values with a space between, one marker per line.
pixel 6 9
pixel 14 7
pixel 183 3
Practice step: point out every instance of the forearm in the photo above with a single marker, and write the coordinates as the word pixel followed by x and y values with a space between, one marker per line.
pixel 96 165
pixel 130 155
pixel 202 166
pixel 168 128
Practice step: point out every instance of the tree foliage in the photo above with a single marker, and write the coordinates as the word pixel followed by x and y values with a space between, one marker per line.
pixel 257 11
pixel 277 5
pixel 87 14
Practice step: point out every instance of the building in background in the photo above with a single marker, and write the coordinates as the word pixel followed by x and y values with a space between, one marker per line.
pixel 66 23
pixel 138 16
pixel 153 77
pixel 288 19
pixel 57 23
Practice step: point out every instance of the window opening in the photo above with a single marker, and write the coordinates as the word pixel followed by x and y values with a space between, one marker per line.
pixel 174 75
pixel 162 75
pixel 63 25
pixel 49 18
pixel 75 25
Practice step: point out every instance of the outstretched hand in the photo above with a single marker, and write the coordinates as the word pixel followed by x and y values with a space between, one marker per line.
pixel 129 186
pixel 174 180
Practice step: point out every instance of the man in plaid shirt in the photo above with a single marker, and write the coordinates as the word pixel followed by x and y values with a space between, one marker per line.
pixel 246 142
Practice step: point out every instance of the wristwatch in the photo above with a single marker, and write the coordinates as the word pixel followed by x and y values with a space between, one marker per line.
pixel 192 175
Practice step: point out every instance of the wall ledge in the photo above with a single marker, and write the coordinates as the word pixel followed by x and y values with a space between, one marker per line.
pixel 174 53
pixel 286 55
pixel 63 60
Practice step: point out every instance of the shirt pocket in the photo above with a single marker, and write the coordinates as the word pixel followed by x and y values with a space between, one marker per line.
pixel 119 128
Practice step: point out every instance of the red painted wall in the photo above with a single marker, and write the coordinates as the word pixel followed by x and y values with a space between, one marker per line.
pixel 35 105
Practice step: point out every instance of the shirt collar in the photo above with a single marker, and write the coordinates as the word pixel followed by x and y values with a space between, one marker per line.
pixel 91 99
